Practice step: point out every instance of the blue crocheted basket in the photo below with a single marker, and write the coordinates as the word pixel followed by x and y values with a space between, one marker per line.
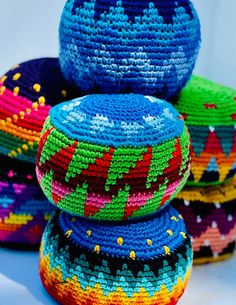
pixel 139 262
pixel 112 46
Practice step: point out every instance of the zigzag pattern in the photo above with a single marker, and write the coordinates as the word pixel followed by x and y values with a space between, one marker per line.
pixel 24 212
pixel 142 58
pixel 102 182
pixel 97 277
pixel 102 6
pixel 52 280
pixel 202 215
pixel 214 154
pixel 209 110
pixel 217 241
pixel 212 227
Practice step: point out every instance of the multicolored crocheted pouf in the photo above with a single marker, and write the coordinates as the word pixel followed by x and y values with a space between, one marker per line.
pixel 142 262
pixel 210 216
pixel 209 110
pixel 24 210
pixel 122 46
pixel 113 157
pixel 27 92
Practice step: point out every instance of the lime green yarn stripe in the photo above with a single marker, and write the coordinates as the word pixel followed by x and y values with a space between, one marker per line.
pixel 123 159
pixel 116 208
pixel 10 143
pixel 84 155
pixel 185 146
pixel 202 184
pixel 160 152
pixel 152 204
pixel 200 91
pixel 74 203
pixel 181 185
pixel 46 185
pixel 47 125
pixel 55 142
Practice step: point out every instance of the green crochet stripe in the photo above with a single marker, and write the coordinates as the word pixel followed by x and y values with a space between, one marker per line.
pixel 77 198
pixel 123 159
pixel 205 103
pixel 107 166
pixel 160 152
pixel 86 154
pixel 153 204
pixel 55 142
pixel 9 143
pixel 116 207
pixel 181 185
pixel 46 185
pixel 202 184
pixel 47 125
pixel 185 146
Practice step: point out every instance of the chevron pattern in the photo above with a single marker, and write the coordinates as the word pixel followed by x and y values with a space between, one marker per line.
pixel 24 212
pixel 142 58
pixel 209 110
pixel 110 183
pixel 96 277
pixel 214 154
pixel 212 227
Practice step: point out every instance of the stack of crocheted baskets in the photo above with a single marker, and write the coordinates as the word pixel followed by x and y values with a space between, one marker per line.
pixel 208 202
pixel 112 162
pixel 27 92
pixel 114 158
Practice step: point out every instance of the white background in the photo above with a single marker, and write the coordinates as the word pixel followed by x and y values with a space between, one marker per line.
pixel 29 29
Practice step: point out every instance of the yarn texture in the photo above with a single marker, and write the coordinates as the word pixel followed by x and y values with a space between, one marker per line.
pixel 145 47
pixel 113 157
pixel 24 210
pixel 27 93
pixel 210 216
pixel 209 111
pixel 86 262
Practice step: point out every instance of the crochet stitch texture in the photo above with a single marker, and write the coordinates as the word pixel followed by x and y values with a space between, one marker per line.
pixel 27 93
pixel 113 157
pixel 146 47
pixel 86 262
pixel 24 210
pixel 209 110
pixel 210 216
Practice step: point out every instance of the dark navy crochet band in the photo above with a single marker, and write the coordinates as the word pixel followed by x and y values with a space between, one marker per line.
pixel 146 47
pixel 118 120
pixel 137 8
pixel 43 71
